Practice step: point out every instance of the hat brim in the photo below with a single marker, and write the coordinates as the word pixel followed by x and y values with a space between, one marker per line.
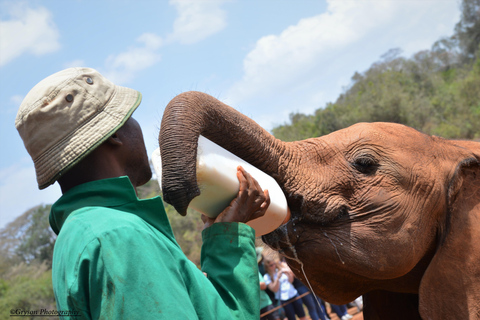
pixel 76 146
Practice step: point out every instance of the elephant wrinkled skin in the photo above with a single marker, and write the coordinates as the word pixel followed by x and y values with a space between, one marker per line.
pixel 378 209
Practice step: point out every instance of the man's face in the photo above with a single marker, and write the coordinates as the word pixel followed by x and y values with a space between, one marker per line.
pixel 137 166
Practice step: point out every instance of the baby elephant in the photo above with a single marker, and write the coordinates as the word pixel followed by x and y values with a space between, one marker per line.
pixel 378 209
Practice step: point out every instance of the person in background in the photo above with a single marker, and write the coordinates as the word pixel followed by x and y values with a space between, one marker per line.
pixel 266 305
pixel 358 302
pixel 341 311
pixel 309 301
pixel 261 267
pixel 279 279
pixel 115 256
pixel 321 307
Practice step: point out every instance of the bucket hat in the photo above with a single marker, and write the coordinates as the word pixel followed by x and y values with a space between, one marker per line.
pixel 67 115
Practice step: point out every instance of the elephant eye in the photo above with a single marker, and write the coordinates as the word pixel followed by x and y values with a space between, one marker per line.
pixel 365 165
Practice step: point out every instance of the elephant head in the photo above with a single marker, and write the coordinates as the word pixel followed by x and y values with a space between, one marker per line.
pixel 378 209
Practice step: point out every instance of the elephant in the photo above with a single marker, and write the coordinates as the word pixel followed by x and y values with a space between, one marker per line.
pixel 377 209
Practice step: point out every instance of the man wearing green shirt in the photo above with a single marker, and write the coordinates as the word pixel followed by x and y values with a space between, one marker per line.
pixel 115 256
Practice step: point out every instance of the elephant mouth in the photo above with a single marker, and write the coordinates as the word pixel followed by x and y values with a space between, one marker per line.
pixel 306 229
pixel 284 238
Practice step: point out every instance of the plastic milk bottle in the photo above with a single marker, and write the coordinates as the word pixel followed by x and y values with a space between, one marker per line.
pixel 218 183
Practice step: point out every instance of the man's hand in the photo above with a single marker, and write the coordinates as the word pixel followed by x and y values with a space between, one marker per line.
pixel 251 202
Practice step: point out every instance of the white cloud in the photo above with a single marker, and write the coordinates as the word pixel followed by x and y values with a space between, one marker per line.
pixel 19 192
pixel 282 60
pixel 39 34
pixel 12 106
pixel 197 20
pixel 279 60
pixel 311 56
pixel 74 63
pixel 17 99
pixel 122 68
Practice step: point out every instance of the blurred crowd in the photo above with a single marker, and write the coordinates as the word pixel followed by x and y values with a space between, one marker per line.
pixel 283 296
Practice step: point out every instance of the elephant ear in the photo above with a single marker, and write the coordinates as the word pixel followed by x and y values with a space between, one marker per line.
pixel 450 287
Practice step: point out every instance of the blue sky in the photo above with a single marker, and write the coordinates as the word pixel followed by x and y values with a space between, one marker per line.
pixel 266 58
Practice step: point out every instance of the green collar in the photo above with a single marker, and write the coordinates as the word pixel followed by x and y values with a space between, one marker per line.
pixel 110 193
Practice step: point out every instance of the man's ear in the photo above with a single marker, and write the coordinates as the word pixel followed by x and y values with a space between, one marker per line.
pixel 115 140
pixel 450 286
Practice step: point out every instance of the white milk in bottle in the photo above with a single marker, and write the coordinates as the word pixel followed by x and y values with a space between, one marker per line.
pixel 218 183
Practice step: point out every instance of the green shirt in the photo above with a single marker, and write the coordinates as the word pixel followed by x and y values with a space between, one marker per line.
pixel 116 257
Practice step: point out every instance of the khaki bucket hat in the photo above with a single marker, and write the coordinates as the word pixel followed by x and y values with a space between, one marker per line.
pixel 67 115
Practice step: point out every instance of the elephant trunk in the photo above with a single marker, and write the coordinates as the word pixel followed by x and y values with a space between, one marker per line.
pixel 191 114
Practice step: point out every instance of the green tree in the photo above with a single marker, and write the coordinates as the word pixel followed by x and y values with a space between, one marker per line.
pixel 29 237
pixel 467 30
pixel 26 287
